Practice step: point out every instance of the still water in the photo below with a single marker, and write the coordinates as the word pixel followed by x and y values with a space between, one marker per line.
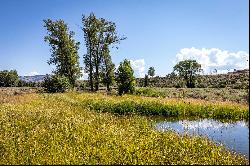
pixel 233 135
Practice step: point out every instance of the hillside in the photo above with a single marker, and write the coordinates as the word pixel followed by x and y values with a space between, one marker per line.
pixel 236 80
pixel 35 78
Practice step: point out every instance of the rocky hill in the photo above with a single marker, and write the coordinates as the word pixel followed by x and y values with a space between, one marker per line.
pixel 36 78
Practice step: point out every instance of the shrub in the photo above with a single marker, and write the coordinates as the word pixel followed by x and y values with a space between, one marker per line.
pixel 203 81
pixel 56 83
pixel 8 78
pixel 83 86
pixel 125 78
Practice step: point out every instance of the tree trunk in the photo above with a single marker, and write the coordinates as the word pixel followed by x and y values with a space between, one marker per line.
pixel 108 87
pixel 91 80
pixel 96 73
pixel 97 78
pixel 91 69
pixel 97 64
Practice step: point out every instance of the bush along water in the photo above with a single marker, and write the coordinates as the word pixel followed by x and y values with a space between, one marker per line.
pixel 165 107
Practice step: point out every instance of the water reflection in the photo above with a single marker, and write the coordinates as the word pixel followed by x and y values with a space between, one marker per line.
pixel 233 135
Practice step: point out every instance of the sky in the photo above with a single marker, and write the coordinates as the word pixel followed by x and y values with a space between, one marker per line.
pixel 160 33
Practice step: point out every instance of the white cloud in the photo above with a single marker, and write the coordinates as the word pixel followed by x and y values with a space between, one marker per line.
pixel 33 73
pixel 138 67
pixel 214 58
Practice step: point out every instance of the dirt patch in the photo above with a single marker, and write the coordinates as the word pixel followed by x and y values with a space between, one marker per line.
pixel 17 94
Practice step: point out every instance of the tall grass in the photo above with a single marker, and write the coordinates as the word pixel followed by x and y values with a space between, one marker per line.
pixel 158 106
pixel 57 129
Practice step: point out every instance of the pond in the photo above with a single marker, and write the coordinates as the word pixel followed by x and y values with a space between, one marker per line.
pixel 233 135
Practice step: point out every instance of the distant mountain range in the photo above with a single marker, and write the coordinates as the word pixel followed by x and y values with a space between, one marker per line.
pixel 40 78
pixel 35 78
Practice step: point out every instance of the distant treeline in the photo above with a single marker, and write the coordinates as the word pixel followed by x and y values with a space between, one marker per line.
pixel 10 78
pixel 234 80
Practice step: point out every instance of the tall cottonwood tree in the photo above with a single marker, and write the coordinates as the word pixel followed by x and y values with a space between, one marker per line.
pixel 109 38
pixel 99 34
pixel 90 30
pixel 64 50
pixel 108 69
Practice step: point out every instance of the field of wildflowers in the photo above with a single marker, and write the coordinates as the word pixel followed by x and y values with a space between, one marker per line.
pixel 64 129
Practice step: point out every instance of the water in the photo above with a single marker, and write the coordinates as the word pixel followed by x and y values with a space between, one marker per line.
pixel 233 135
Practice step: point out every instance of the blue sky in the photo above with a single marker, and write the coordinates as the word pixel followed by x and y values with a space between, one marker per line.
pixel 159 32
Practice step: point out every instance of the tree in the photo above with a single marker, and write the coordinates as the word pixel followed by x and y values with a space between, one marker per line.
pixel 55 83
pixel 146 80
pixel 108 69
pixel 151 71
pixel 8 78
pixel 125 78
pixel 92 60
pixel 99 34
pixel 188 69
pixel 90 28
pixel 64 50
pixel 109 38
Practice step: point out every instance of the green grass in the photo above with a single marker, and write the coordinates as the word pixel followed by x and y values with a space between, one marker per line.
pixel 57 129
pixel 157 106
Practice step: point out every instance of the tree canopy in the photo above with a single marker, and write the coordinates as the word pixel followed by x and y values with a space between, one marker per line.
pixel 99 34
pixel 188 69
pixel 8 78
pixel 151 71
pixel 64 49
pixel 125 78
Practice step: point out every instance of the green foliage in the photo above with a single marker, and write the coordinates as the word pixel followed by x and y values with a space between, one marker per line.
pixel 99 34
pixel 188 69
pixel 151 71
pixel 64 50
pixel 247 96
pixel 108 68
pixel 125 78
pixel 56 83
pixel 53 129
pixel 83 86
pixel 128 104
pixel 8 78
pixel 146 80
pixel 91 26
pixel 22 83
pixel 202 81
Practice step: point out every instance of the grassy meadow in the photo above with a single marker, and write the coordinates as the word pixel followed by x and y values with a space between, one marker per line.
pixel 89 128
pixel 209 94
pixel 131 104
